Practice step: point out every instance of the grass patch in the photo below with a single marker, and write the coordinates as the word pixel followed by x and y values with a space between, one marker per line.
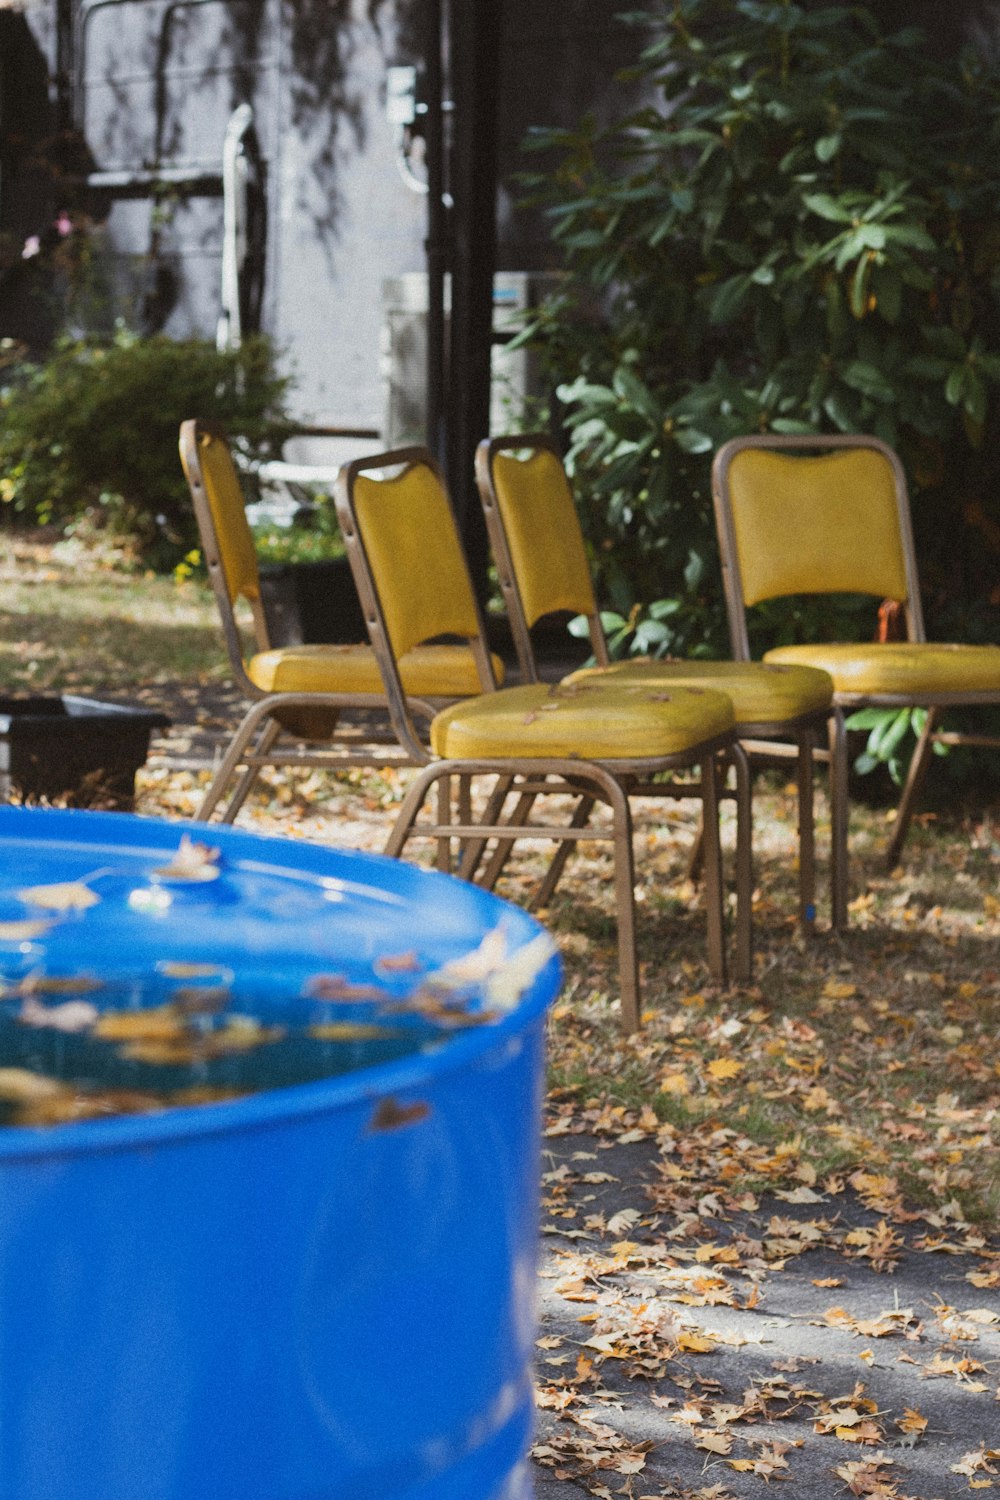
pixel 866 1059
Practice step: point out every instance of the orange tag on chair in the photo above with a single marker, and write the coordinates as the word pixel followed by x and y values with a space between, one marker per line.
pixel 891 621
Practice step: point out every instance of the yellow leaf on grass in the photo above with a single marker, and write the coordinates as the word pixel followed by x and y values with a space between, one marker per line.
pixel 836 989
pixel 675 1083
pixel 724 1067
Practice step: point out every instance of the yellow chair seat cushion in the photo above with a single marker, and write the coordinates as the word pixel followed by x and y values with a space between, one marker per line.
pixel 900 668
pixel 761 693
pixel 581 721
pixel 427 671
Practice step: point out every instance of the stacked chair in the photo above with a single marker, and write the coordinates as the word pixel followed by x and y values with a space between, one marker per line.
pixel 543 569
pixel 313 705
pixel 826 515
pixel 594 743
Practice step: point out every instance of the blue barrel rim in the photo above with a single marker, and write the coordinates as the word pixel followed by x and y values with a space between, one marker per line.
pixel 271 1108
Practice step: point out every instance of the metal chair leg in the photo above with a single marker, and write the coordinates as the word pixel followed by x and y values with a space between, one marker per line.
pixel 544 893
pixel 744 865
pixel 252 725
pixel 713 869
pixel 443 859
pixel 807 835
pixel 501 854
pixel 624 857
pixel 696 856
pixel 914 781
pixel 474 850
pixel 412 803
pixel 838 821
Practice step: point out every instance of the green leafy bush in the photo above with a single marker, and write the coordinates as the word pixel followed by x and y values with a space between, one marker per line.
pixel 796 233
pixel 93 430
pixel 314 538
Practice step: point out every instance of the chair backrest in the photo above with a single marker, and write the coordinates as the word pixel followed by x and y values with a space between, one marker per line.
pixel 408 565
pixel 537 539
pixel 226 539
pixel 812 515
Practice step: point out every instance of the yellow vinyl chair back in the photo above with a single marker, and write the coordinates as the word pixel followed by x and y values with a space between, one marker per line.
pixel 537 540
pixel 813 515
pixel 829 514
pixel 821 524
pixel 408 529
pixel 543 532
pixel 300 692
pixel 233 536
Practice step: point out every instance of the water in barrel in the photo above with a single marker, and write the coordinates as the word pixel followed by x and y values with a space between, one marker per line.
pixel 142 981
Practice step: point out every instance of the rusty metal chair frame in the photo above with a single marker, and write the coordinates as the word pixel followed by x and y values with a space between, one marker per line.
pixel 612 783
pixel 757 739
pixel 280 729
pixel 846 702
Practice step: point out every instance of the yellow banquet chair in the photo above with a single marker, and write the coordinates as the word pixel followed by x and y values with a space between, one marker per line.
pixel 828 515
pixel 543 569
pixel 527 741
pixel 299 693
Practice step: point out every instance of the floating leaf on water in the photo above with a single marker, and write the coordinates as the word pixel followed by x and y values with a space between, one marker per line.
pixel 63 895
pixel 505 986
pixel 202 999
pixel 472 968
pixel 23 932
pixel 70 1105
pixel 398 963
pixel 351 1031
pixel 59 984
pixel 502 977
pixel 172 968
pixel 391 1115
pixel 452 1013
pixel 337 988
pixel 71 1016
pixel 185 1047
pixel 21 1086
pixel 193 861
pixel 206 1093
pixel 159 1023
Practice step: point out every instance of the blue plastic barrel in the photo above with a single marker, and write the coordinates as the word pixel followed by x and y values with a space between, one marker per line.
pixel 316 1292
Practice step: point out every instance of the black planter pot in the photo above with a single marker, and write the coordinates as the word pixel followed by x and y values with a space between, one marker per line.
pixel 311 602
pixel 73 749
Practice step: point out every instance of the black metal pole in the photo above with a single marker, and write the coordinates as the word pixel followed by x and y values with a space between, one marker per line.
pixel 437 232
pixel 475 28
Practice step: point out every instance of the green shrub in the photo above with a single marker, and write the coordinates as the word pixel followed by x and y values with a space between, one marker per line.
pixel 796 233
pixel 93 431
pixel 315 538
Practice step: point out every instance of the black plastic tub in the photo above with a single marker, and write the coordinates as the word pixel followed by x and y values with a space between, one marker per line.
pixel 311 603
pixel 74 749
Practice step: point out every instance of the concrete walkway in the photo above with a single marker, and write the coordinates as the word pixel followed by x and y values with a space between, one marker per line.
pixel 718 1352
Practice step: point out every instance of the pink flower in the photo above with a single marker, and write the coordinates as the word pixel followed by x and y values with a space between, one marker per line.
pixel 64 225
pixel 32 246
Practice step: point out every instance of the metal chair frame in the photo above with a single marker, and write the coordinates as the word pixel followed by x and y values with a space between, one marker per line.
pixel 611 782
pixel 756 739
pixel 297 729
pixel 845 702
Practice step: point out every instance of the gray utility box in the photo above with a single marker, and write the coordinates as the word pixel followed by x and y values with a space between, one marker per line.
pixel 74 749
pixel 516 379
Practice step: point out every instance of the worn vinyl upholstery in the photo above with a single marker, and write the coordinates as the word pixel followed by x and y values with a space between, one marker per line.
pixel 592 723
pixel 907 668
pixel 760 693
pixel 543 534
pixel 845 536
